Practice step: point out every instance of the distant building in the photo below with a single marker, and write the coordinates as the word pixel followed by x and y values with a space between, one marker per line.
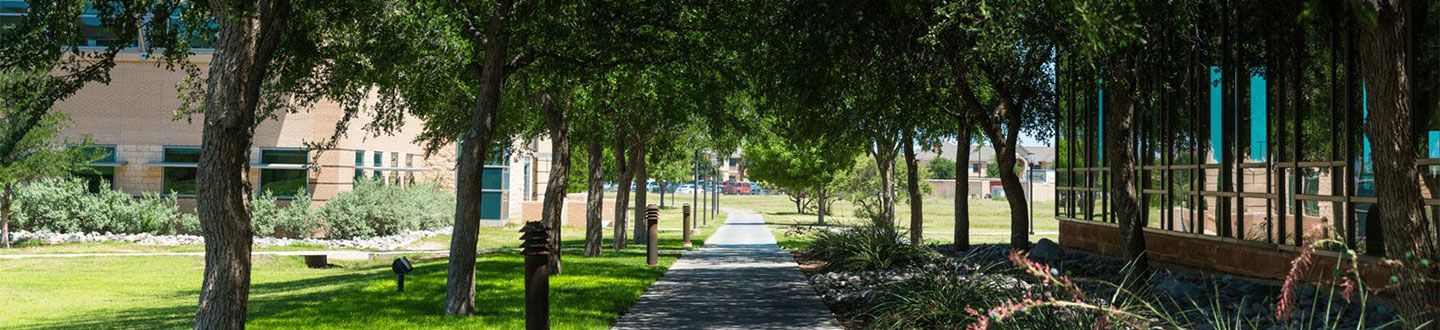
pixel 1037 169
pixel 148 150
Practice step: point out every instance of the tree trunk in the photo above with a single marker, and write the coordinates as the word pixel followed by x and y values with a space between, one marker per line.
pixel 557 121
pixel 1387 76
pixel 662 193
pixel 622 188
pixel 474 149
pixel 642 231
pixel 962 186
pixel 1010 182
pixel 820 207
pixel 248 41
pixel 912 182
pixel 595 199
pixel 1120 153
pixel 5 197
pixel 884 154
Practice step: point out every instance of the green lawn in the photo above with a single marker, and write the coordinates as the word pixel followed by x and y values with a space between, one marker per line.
pixel 989 219
pixel 160 292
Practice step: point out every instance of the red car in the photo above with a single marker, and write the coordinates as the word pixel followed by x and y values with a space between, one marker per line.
pixel 735 188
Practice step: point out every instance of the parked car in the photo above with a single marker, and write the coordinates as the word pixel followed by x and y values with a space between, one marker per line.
pixel 735 188
pixel 756 189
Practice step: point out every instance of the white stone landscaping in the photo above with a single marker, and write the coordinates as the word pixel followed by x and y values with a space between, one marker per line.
pixel 390 242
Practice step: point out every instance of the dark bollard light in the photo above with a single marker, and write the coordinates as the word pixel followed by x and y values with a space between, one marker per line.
pixel 652 216
pixel 685 224
pixel 536 249
pixel 401 267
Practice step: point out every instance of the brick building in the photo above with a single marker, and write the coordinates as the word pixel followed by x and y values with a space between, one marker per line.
pixel 151 150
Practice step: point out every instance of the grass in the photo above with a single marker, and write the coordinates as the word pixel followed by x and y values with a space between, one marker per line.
pixel 989 219
pixel 160 292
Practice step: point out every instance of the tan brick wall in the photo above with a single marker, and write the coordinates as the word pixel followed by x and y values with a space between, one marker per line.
pixel 136 112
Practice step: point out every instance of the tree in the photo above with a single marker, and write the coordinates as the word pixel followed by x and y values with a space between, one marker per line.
pixel 36 155
pixel 800 169
pixel 942 168
pixel 997 53
pixel 1387 36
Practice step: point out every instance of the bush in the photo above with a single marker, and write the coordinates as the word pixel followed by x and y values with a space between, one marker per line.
pixel 295 220
pixel 374 209
pixel 64 205
pixel 872 246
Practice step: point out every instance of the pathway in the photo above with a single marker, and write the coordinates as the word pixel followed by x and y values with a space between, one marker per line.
pixel 739 280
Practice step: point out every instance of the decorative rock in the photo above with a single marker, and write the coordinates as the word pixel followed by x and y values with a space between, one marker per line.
pixel 1047 251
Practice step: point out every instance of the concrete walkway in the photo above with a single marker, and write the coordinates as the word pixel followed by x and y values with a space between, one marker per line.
pixel 739 280
pixel 334 254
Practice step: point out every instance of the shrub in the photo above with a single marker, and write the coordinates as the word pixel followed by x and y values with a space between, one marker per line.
pixel 374 209
pixel 295 220
pixel 871 246
pixel 64 205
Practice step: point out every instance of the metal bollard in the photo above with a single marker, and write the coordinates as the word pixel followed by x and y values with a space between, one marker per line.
pixel 685 224
pixel 652 216
pixel 536 249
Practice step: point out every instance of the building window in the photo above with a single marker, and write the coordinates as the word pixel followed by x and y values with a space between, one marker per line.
pixel 101 172
pixel 359 164
pixel 180 163
pixel 378 159
pixel 282 171
pixel 12 12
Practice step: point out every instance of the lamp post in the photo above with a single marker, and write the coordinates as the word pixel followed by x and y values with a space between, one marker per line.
pixel 1030 192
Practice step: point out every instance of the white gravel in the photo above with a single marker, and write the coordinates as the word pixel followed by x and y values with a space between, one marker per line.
pixel 391 242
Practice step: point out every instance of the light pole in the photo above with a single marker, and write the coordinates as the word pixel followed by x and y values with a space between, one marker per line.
pixel 1030 192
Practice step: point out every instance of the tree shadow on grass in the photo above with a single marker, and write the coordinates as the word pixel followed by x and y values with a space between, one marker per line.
pixel 591 293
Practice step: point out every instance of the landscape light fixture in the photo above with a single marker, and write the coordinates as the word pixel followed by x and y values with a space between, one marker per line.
pixel 401 267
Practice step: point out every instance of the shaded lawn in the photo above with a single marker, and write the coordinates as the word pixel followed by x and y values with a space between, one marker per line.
pixel 160 292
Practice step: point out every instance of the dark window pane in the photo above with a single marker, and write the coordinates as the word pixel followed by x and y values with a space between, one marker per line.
pixel 282 183
pixel 492 179
pixel 97 178
pixel 99 153
pixel 379 157
pixel 359 158
pixel 491 205
pixel 283 157
pixel 180 180
pixel 182 155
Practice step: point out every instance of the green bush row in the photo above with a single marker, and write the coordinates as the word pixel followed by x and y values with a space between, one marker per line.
pixel 371 209
pixel 64 205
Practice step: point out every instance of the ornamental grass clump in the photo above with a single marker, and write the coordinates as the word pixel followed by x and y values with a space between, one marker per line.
pixel 872 246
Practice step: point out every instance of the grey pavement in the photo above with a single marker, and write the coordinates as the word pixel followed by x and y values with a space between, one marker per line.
pixel 739 280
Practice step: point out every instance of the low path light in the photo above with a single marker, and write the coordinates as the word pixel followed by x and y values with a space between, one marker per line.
pixel 685 224
pixel 536 249
pixel 401 267
pixel 652 216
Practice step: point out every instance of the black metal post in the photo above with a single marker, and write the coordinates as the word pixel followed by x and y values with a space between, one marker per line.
pixel 536 249
pixel 652 248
